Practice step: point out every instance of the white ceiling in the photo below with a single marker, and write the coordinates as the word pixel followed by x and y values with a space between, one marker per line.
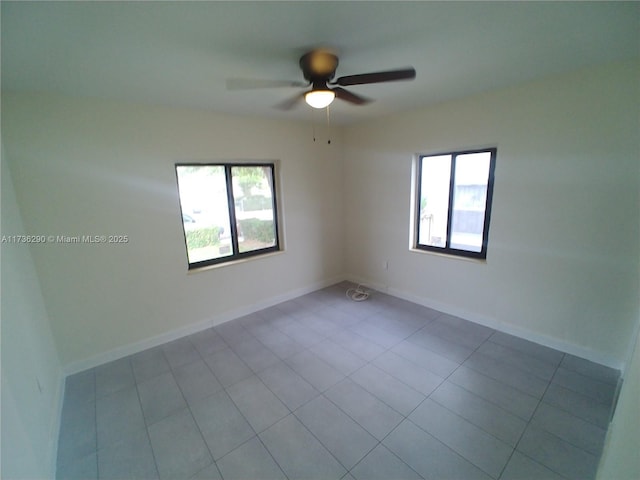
pixel 180 53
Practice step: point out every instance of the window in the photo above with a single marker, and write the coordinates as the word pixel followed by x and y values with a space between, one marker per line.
pixel 454 192
pixel 228 211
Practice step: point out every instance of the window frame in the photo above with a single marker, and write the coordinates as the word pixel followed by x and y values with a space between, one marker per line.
pixel 233 226
pixel 447 249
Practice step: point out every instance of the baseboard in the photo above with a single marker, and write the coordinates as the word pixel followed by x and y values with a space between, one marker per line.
pixel 541 339
pixel 54 433
pixel 628 358
pixel 217 319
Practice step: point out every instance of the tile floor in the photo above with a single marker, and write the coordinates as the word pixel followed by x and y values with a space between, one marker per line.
pixel 324 387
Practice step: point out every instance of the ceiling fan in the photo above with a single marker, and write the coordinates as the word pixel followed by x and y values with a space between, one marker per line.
pixel 319 68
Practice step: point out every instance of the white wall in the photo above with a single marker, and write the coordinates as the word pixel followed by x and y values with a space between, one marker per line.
pixel 97 168
pixel 562 264
pixel 31 374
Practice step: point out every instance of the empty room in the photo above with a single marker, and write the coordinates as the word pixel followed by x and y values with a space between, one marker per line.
pixel 320 240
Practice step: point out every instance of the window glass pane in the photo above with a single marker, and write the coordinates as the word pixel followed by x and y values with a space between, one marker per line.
pixel 469 200
pixel 434 200
pixel 254 207
pixel 205 211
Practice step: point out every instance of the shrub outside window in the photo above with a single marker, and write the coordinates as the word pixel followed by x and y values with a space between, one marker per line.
pixel 454 193
pixel 228 211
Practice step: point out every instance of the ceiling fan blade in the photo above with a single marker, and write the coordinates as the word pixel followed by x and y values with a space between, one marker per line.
pixel 291 102
pixel 254 83
pixel 376 77
pixel 347 96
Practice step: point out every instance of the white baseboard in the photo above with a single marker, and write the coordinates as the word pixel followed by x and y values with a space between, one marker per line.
pixel 628 358
pixel 526 334
pixel 217 319
pixel 54 431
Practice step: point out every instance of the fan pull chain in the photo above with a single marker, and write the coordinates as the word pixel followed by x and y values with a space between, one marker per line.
pixel 313 125
pixel 328 127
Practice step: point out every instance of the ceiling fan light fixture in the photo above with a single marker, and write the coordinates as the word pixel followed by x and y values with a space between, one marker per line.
pixel 319 98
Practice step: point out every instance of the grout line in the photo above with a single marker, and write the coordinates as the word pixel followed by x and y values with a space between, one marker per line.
pixel 515 448
pixel 605 428
pixel 270 454
pixel 146 430
pixel 188 406
pixel 538 463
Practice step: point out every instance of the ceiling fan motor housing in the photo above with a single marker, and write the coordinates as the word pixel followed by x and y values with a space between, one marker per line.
pixel 318 65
